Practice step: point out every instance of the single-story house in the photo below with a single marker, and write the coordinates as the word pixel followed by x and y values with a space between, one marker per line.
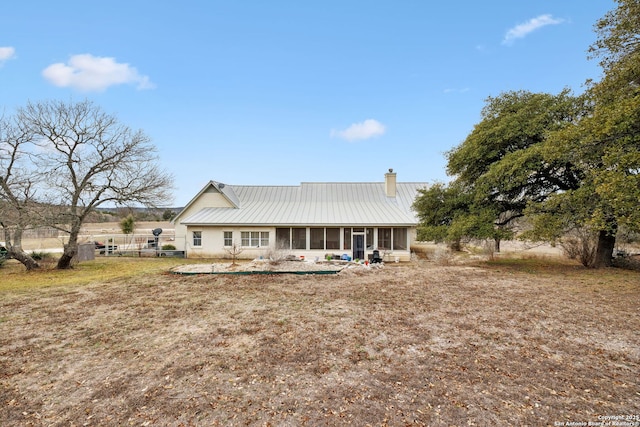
pixel 308 220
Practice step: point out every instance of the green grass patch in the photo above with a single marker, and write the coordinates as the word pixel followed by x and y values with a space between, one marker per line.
pixel 16 278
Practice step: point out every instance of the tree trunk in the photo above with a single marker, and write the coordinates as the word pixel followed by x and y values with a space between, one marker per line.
pixel 497 244
pixel 23 258
pixel 64 263
pixel 14 249
pixel 604 250
pixel 71 248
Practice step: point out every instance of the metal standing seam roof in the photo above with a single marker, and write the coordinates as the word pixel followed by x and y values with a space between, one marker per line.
pixel 313 204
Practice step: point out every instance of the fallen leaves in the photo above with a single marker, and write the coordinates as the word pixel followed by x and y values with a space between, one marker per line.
pixel 398 346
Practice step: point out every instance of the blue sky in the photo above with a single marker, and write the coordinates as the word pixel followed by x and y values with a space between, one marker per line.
pixel 281 92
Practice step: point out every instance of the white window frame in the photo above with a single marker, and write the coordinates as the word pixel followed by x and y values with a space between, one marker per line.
pixel 197 237
pixel 227 238
pixel 254 239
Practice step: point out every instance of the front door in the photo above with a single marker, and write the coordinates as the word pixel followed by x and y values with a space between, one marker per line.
pixel 358 246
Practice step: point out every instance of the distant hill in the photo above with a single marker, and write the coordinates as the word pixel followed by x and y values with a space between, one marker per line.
pixel 111 214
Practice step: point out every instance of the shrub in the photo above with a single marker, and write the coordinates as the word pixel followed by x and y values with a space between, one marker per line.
pixel 580 244
pixel 40 256
pixel 278 254
pixel 489 249
pixel 168 247
pixel 443 256
pixel 128 224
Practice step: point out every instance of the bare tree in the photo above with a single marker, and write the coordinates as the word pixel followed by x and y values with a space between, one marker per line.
pixel 18 181
pixel 234 250
pixel 91 159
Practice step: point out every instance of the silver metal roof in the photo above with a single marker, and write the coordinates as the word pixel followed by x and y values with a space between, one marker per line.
pixel 313 204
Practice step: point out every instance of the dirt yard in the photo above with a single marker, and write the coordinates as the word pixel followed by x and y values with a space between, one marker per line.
pixel 402 345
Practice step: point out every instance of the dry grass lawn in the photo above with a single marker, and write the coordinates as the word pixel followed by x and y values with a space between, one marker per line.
pixel 505 343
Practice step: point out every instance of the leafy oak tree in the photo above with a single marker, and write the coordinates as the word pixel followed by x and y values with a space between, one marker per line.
pixel 90 159
pixel 437 208
pixel 615 124
pixel 447 213
pixel 569 163
pixel 500 168
pixel 503 161
pixel 605 144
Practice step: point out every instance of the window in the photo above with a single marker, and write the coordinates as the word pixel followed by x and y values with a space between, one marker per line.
pixel 254 239
pixel 399 239
pixel 333 238
pixel 283 238
pixel 197 238
pixel 317 238
pixel 228 238
pixel 384 238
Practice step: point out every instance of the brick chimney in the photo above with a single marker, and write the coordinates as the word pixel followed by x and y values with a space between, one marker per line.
pixel 390 183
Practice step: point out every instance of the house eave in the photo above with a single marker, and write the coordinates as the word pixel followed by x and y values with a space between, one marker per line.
pixel 204 224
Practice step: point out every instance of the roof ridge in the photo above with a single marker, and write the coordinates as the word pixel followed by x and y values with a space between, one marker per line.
pixel 324 182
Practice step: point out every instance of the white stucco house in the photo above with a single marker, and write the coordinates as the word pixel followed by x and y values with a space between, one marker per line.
pixel 308 220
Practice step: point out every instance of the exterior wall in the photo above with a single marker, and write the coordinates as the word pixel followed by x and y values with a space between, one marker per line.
pixel 211 198
pixel 213 245
pixel 213 242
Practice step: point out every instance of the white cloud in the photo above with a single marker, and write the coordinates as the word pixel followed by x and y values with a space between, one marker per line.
pixel 368 129
pixel 6 53
pixel 522 30
pixel 93 73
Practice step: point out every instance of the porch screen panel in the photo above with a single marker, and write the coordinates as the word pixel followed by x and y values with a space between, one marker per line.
pixel 347 238
pixel 298 238
pixel 369 234
pixel 316 238
pixel 384 238
pixel 333 238
pixel 399 239
pixel 283 238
